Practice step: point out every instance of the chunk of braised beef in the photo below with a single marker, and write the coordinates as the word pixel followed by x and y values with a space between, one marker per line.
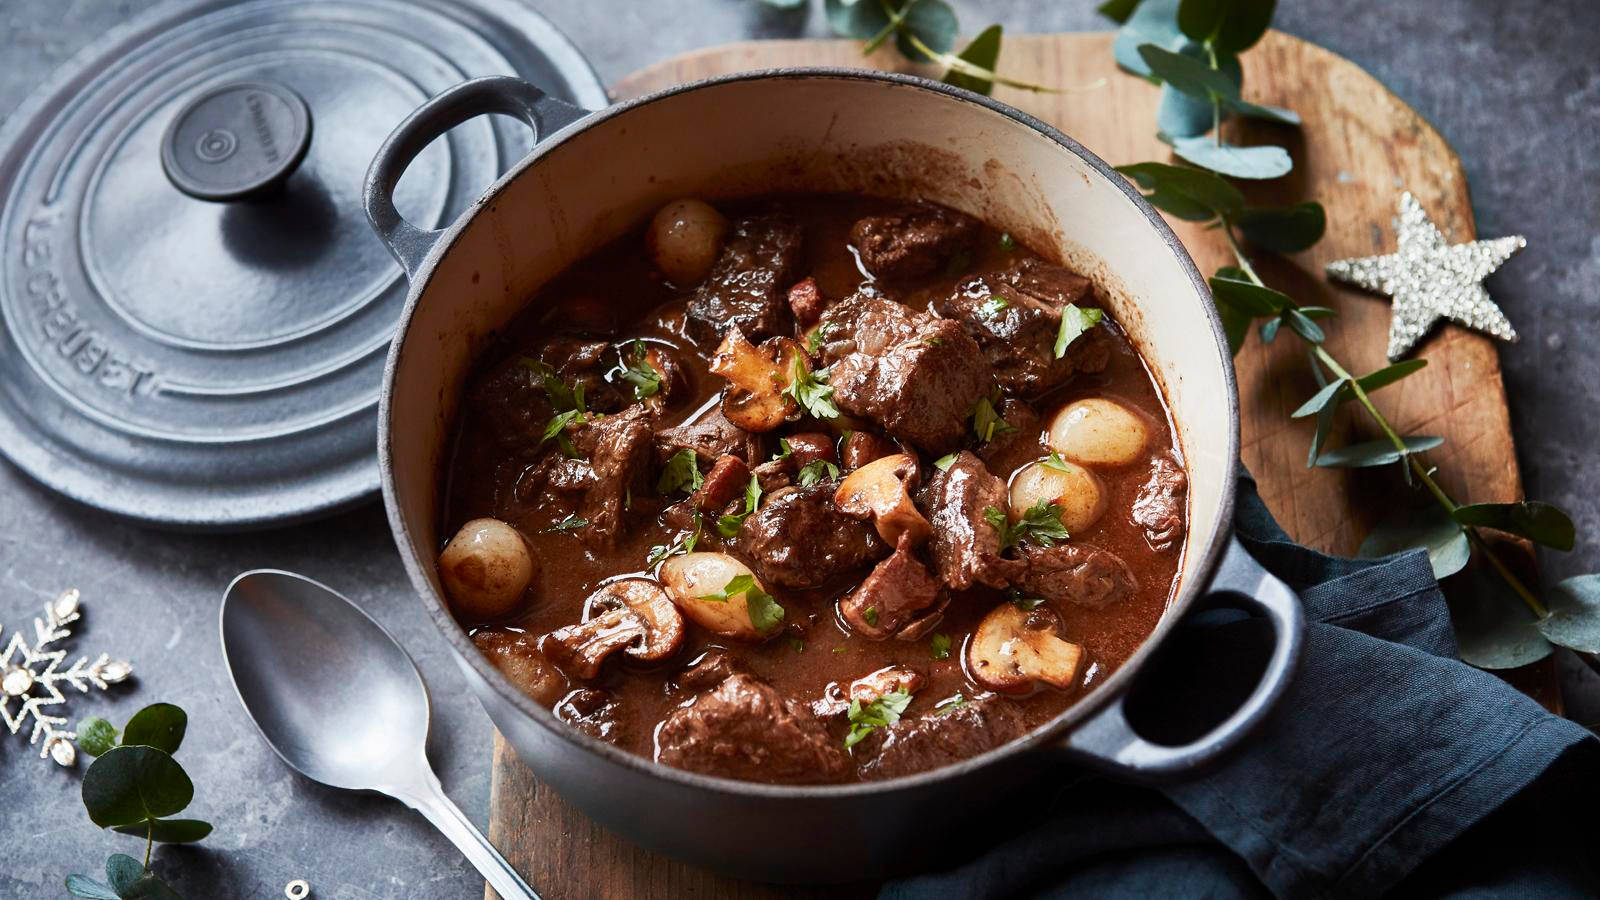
pixel 552 474
pixel 619 448
pixel 1020 444
pixel 775 474
pixel 1015 315
pixel 708 670
pixel 711 437
pixel 725 481
pixel 809 446
pixel 748 283
pixel 1077 573
pixel 745 729
pixel 917 376
pixel 915 242
pixel 799 539
pixel 862 447
pixel 1158 508
pixel 965 545
pixel 940 737
pixel 806 302
pixel 594 712
pixel 898 589
pixel 511 401
pixel 579 360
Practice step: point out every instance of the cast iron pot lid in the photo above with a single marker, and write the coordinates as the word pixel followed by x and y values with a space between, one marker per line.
pixel 196 312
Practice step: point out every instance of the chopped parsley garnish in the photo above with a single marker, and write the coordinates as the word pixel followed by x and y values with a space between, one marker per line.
pixel 1007 242
pixel 871 615
pixel 784 450
pixel 944 462
pixel 1041 524
pixel 959 262
pixel 570 523
pixel 637 371
pixel 931 342
pixel 841 649
pixel 882 712
pixel 811 390
pixel 764 612
pixel 939 646
pixel 728 525
pixel 986 422
pixel 795 643
pixel 1054 461
pixel 1022 601
pixel 993 306
pixel 814 471
pixel 949 705
pixel 818 336
pixel 681 473
pixel 1075 321
pixel 567 400
pixel 684 544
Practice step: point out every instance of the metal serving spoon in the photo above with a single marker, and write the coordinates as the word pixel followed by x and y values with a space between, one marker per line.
pixel 341 703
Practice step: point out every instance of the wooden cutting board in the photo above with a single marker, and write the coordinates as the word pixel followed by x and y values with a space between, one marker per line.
pixel 1359 148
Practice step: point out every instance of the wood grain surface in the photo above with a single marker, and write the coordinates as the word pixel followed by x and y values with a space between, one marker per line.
pixel 1359 147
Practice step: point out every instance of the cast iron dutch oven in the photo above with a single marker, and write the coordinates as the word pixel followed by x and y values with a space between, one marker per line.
pixel 592 177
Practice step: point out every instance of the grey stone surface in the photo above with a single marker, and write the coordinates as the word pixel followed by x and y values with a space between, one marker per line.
pixel 1514 87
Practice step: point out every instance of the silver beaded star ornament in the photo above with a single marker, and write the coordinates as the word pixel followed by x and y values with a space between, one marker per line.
pixel 1430 280
pixel 29 675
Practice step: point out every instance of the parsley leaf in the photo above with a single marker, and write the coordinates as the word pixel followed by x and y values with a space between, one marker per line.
pixel 949 705
pixel 814 471
pixel 1007 242
pixel 884 711
pixel 681 473
pixel 738 584
pixel 560 393
pixel 570 523
pixel 784 450
pixel 944 462
pixel 1022 601
pixel 871 615
pixel 986 422
pixel 637 371
pixel 765 613
pixel 728 525
pixel 1041 524
pixel 939 646
pixel 811 390
pixel 1056 462
pixel 1075 321
pixel 993 306
pixel 557 428
pixel 819 336
pixel 795 643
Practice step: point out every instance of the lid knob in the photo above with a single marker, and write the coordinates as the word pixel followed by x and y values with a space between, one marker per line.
pixel 237 141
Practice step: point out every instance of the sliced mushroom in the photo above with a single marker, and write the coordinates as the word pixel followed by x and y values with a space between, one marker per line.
pixel 684 239
pixel 757 377
pixel 633 615
pixel 1068 485
pixel 514 653
pixel 878 491
pixel 1098 432
pixel 1013 648
pixel 663 624
pixel 836 698
pixel 486 568
pixel 695 582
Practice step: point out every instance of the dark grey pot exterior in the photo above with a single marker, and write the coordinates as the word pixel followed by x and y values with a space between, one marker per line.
pixel 829 833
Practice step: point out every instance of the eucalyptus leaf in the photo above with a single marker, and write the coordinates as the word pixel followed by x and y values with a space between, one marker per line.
pixel 130 784
pixel 1182 115
pixel 1288 229
pixel 1231 26
pixel 984 52
pixel 133 881
pixel 1429 528
pixel 84 886
pixel 1235 324
pixel 159 725
pixel 785 4
pixel 1574 619
pixel 1318 312
pixel 1153 22
pixel 1192 194
pixel 1117 11
pixel 96 735
pixel 1390 374
pixel 859 19
pixel 1255 299
pixel 1376 453
pixel 1269 329
pixel 1303 326
pixel 1320 399
pixel 1320 437
pixel 932 21
pixel 122 871
pixel 168 831
pixel 1535 520
pixel 1263 162
pixel 1493 630
pixel 1192 76
pixel 1262 111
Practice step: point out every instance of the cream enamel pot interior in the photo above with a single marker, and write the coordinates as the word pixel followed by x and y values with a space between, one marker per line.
pixel 594 176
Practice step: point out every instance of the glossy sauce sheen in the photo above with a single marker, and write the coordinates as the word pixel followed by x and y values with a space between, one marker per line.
pixel 614 294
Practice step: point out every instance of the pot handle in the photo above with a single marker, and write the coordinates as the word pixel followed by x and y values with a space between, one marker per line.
pixel 469 99
pixel 1108 741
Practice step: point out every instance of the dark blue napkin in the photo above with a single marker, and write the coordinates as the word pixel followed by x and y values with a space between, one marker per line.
pixel 1388 767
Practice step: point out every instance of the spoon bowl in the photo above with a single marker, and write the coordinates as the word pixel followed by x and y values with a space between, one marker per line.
pixel 338 699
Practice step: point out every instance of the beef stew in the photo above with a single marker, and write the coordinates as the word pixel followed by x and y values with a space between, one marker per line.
pixel 812 489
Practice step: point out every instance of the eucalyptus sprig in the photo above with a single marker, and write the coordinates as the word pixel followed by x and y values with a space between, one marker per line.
pixel 1191 48
pixel 133 787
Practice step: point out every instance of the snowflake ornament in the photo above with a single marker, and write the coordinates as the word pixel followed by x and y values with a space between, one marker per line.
pixel 30 676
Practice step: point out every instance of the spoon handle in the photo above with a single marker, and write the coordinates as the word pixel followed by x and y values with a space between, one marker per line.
pixel 429 799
